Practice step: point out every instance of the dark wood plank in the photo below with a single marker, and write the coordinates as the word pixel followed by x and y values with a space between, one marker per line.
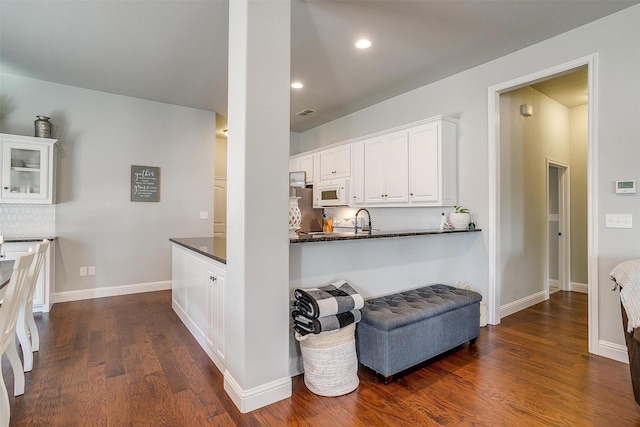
pixel 128 360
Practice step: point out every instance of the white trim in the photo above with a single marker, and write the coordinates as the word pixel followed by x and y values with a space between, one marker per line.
pixel 613 351
pixel 522 303
pixel 110 291
pixel 493 302
pixel 592 205
pixel 256 397
pixel 579 287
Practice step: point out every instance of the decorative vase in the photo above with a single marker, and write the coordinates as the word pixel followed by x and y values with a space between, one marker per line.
pixel 295 217
pixel 460 221
pixel 43 127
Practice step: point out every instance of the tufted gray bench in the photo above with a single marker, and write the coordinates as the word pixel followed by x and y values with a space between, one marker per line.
pixel 401 330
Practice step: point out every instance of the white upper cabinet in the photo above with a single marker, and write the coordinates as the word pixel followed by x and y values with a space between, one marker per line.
pixel 410 165
pixel 385 168
pixel 27 169
pixel 424 176
pixel 335 163
pixel 308 163
pixel 433 175
pixel 357 173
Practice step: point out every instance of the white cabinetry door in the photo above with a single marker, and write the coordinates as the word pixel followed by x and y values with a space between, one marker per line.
pixel 27 169
pixel 41 295
pixel 197 282
pixel 215 335
pixel 294 164
pixel 357 173
pixel 179 277
pixel 385 166
pixel 424 182
pixel 335 163
pixel 306 164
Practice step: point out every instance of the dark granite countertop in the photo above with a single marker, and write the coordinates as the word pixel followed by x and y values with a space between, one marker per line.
pixel 6 270
pixel 212 247
pixel 329 237
pixel 28 239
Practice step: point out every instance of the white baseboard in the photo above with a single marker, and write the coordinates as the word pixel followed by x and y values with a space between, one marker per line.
pixel 613 351
pixel 256 397
pixel 521 304
pixel 110 291
pixel 553 283
pixel 580 287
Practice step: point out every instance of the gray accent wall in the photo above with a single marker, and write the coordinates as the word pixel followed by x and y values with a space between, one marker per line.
pixel 100 136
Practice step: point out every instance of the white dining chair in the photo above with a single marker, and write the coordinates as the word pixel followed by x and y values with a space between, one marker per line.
pixel 26 328
pixel 8 319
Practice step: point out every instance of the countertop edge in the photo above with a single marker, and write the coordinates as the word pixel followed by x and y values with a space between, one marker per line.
pixel 378 235
pixel 178 241
pixel 29 239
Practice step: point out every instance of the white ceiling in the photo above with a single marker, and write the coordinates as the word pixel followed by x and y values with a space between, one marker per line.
pixel 176 51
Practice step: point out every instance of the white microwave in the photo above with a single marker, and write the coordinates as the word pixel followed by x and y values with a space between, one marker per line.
pixel 332 193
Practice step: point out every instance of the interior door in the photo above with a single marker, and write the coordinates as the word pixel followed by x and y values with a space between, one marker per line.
pixel 220 208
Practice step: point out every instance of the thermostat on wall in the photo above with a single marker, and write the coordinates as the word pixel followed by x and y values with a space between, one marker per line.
pixel 626 187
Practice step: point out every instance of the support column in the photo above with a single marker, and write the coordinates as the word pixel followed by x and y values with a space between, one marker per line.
pixel 257 286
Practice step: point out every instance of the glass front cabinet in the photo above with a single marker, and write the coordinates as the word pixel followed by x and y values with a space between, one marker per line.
pixel 27 166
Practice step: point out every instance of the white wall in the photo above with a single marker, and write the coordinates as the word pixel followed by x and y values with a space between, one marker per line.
pixel 616 40
pixel 100 137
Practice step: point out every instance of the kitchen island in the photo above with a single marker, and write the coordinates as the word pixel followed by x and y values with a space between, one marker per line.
pixel 198 282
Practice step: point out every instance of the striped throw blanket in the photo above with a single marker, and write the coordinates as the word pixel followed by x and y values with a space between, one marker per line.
pixel 627 276
pixel 305 325
pixel 338 297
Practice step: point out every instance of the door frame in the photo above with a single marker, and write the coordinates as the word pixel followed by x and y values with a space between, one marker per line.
pixel 591 61
pixel 564 223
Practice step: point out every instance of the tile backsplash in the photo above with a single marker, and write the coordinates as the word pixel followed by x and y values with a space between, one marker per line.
pixel 27 220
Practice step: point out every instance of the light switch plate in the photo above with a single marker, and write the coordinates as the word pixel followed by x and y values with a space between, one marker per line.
pixel 204 215
pixel 618 221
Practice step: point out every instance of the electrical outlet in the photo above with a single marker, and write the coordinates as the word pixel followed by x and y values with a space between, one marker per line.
pixel 83 271
pixel 204 215
pixel 91 270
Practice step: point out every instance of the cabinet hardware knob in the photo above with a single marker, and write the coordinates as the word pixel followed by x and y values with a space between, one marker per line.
pixel 6 188
pixel 411 194
pixel 213 278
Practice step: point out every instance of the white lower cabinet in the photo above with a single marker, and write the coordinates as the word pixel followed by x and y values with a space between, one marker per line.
pixel 42 293
pixel 215 311
pixel 198 299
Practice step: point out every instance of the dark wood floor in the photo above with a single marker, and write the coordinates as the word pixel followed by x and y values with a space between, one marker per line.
pixel 126 361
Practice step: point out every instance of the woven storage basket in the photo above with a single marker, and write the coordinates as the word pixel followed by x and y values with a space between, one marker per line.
pixel 330 362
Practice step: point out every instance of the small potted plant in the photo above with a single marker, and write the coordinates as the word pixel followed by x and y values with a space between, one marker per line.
pixel 460 218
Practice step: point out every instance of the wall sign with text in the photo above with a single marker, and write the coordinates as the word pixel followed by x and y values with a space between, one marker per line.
pixel 145 183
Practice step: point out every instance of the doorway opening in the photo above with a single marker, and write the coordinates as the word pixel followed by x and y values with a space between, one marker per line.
pixel 558 228
pixel 519 238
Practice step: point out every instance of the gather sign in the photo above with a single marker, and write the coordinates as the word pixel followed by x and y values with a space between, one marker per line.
pixel 145 183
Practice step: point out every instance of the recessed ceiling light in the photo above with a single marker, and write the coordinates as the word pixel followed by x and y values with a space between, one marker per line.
pixel 363 44
pixel 297 85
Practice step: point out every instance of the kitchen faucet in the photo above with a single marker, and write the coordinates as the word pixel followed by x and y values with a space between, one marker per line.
pixel 356 220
